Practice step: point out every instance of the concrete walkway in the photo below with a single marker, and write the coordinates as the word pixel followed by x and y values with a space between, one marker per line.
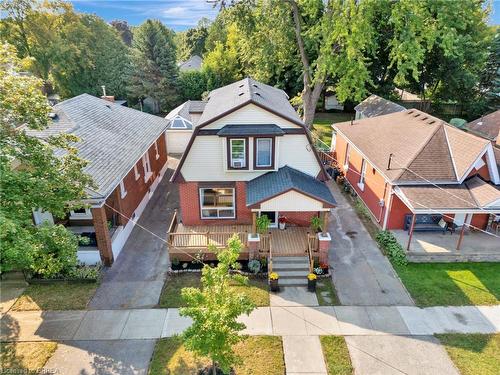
pixel 362 275
pixel 133 324
pixel 136 278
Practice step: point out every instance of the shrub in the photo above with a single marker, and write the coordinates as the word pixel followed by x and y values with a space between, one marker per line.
pixel 316 223
pixel 85 272
pixel 262 224
pixel 254 266
pixel 391 247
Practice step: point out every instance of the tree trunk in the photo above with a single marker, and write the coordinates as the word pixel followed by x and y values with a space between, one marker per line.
pixel 310 97
pixel 214 369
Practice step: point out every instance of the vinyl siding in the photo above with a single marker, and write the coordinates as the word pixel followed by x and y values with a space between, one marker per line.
pixel 251 114
pixel 291 201
pixel 177 140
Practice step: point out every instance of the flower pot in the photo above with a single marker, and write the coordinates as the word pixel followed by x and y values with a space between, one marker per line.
pixel 274 285
pixel 282 225
pixel 311 285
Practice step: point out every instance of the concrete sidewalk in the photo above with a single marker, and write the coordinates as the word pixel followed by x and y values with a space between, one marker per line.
pixel 279 320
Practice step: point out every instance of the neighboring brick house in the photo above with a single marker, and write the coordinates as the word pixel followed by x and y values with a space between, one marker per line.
pixel 411 163
pixel 250 155
pixel 127 155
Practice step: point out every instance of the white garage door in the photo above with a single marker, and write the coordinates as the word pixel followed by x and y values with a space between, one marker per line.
pixel 177 141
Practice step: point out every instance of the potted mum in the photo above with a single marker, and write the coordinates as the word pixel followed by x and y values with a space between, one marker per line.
pixel 273 281
pixel 311 282
pixel 282 220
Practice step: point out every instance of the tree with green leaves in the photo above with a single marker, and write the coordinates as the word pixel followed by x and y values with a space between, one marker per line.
pixel 192 41
pixel 215 308
pixel 124 31
pixel 33 177
pixel 192 85
pixel 73 53
pixel 154 69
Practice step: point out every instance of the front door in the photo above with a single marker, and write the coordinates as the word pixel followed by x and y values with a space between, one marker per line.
pixel 272 216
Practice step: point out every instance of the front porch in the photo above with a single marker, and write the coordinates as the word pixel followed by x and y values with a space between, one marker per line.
pixel 185 242
pixel 442 247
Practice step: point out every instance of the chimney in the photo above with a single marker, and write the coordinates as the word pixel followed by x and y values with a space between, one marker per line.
pixel 106 97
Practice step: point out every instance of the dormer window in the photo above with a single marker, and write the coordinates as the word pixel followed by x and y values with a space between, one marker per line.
pixel 237 153
pixel 264 153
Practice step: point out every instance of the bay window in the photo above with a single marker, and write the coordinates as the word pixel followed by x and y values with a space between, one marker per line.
pixel 217 203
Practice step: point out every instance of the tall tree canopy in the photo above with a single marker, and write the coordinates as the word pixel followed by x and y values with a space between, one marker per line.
pixel 74 53
pixel 154 72
pixel 192 41
pixel 33 177
pixel 124 31
pixel 360 46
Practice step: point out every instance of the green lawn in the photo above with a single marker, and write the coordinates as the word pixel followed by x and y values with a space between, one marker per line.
pixel 473 354
pixel 259 355
pixel 322 124
pixel 25 357
pixel 325 292
pixel 338 361
pixel 57 296
pixel 452 284
pixel 257 289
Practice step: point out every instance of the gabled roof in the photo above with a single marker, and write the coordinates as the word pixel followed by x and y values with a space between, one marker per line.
pixel 271 184
pixel 224 100
pixel 376 106
pixel 112 137
pixel 486 126
pixel 186 110
pixel 431 148
pixel 193 63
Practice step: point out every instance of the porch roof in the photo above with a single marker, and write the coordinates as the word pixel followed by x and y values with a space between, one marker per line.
pixel 475 195
pixel 285 179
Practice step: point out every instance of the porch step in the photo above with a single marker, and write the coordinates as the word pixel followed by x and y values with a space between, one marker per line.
pixel 293 269
pixel 296 281
pixel 303 259
pixel 290 274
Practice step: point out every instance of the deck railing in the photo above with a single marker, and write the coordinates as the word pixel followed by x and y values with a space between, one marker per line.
pixel 312 247
pixel 204 240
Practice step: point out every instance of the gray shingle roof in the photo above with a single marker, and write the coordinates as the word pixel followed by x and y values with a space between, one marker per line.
pixel 286 178
pixel 186 109
pixel 225 99
pixel 112 137
pixel 250 130
pixel 376 106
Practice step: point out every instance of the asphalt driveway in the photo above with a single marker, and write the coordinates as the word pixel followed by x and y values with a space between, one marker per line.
pixel 362 275
pixel 136 278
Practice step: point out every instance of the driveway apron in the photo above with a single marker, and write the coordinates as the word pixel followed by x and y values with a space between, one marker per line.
pixel 136 278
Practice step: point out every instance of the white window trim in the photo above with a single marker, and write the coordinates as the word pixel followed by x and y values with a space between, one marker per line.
pixel 136 173
pixel 256 156
pixel 156 150
pixel 146 164
pixel 78 215
pixel 123 190
pixel 362 175
pixel 245 161
pixel 346 159
pixel 200 193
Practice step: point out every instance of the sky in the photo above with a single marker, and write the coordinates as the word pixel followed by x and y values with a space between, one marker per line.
pixel 176 14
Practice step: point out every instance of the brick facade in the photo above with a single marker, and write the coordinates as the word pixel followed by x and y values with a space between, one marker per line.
pixel 102 235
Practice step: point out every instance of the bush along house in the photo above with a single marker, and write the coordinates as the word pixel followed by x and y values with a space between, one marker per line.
pixel 127 158
pixel 433 185
pixel 250 156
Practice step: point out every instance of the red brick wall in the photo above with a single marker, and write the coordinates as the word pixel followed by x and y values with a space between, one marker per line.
pixel 137 189
pixel 483 171
pixel 398 210
pixel 374 185
pixel 190 206
pixel 302 219
pixel 479 221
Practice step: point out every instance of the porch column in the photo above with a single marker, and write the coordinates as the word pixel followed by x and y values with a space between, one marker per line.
pixel 462 232
pixel 102 235
pixel 411 231
pixel 325 222
pixel 254 222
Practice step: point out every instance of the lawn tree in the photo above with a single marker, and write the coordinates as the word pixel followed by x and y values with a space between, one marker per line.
pixel 214 309
pixel 33 177
pixel 71 52
pixel 154 69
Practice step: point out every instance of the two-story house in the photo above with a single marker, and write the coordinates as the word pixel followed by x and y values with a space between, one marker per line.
pixel 250 155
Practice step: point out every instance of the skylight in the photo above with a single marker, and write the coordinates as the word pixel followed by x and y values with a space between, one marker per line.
pixel 179 122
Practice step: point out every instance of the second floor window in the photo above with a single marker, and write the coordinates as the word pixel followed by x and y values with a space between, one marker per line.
pixel 237 153
pixel 264 152
pixel 146 166
pixel 346 160
pixel 362 175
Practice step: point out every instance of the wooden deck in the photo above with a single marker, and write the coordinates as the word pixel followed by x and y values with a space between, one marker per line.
pixel 185 240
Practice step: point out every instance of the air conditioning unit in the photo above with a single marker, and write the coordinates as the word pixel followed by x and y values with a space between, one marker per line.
pixel 238 163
